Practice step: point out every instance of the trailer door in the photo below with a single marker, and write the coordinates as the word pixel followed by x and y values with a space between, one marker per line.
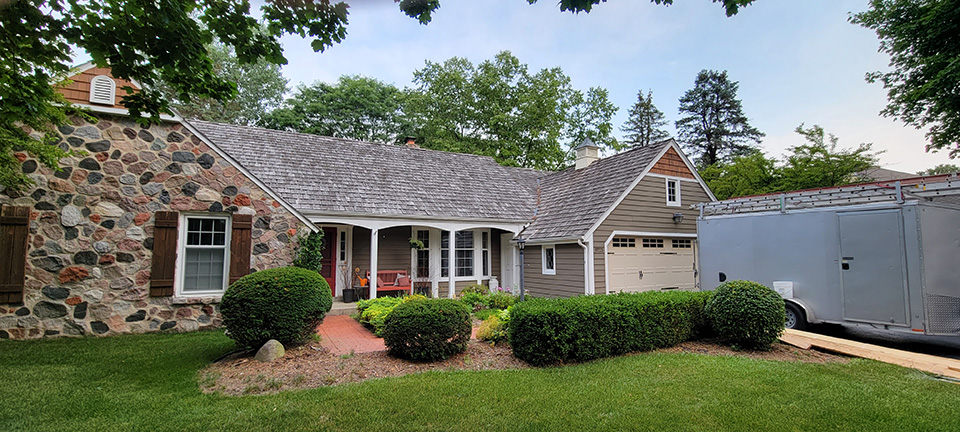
pixel 872 267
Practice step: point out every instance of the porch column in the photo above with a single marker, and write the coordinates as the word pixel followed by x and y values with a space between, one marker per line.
pixel 451 263
pixel 374 246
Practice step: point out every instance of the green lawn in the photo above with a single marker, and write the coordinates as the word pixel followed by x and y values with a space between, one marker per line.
pixel 147 382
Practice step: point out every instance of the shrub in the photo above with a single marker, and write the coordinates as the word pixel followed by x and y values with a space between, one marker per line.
pixel 483 314
pixel 428 329
pixel 474 301
pixel 310 252
pixel 373 312
pixel 500 300
pixel 747 314
pixel 494 328
pixel 476 288
pixel 547 331
pixel 284 303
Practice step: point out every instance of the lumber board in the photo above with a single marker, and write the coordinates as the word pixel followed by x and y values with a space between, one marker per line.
pixel 924 362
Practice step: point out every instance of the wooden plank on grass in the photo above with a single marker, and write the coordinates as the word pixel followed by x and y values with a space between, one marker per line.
pixel 928 363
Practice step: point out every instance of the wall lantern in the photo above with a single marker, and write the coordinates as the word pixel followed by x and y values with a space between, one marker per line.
pixel 677 218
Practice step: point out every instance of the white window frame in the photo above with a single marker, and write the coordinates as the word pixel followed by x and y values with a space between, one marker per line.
pixel 182 254
pixel 105 80
pixel 436 253
pixel 676 188
pixel 543 260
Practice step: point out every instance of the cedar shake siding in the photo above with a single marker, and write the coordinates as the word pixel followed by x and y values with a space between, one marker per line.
pixel 645 210
pixel 568 281
pixel 97 225
pixel 78 91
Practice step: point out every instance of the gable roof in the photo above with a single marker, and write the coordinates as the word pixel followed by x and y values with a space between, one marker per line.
pixel 572 201
pixel 338 176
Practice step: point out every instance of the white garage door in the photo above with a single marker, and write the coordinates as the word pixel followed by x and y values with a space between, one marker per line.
pixel 651 263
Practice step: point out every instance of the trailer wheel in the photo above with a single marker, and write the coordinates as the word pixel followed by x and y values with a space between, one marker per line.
pixel 796 319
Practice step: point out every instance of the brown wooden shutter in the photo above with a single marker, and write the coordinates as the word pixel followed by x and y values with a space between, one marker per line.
pixel 14 227
pixel 164 267
pixel 240 246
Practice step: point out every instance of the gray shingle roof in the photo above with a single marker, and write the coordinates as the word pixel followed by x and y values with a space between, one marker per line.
pixel 333 175
pixel 572 200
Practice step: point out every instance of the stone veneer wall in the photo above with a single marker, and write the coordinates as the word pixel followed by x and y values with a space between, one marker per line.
pixel 91 229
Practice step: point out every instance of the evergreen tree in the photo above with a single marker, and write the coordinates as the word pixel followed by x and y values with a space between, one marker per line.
pixel 714 127
pixel 646 122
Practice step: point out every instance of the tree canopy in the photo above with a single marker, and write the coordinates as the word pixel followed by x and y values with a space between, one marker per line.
pixel 646 122
pixel 356 107
pixel 940 169
pixel 813 164
pixel 922 38
pixel 499 109
pixel 714 127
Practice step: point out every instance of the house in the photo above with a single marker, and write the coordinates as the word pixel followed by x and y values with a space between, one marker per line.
pixel 147 230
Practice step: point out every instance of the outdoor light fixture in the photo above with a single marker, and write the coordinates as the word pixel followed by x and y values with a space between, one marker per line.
pixel 677 218
pixel 520 242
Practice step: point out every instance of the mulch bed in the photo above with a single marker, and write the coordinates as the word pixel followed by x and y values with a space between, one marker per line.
pixel 311 366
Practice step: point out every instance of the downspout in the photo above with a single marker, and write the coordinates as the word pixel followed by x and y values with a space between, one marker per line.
pixel 586 266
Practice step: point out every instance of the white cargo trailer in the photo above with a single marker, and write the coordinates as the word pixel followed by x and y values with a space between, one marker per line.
pixel 884 255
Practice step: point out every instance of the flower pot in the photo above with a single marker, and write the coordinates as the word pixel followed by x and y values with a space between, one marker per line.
pixel 349 295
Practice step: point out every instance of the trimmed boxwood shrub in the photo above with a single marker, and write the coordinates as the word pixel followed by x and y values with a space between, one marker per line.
pixel 286 304
pixel 427 330
pixel 747 314
pixel 549 331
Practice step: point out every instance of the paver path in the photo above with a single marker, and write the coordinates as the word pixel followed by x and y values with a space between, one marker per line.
pixel 342 335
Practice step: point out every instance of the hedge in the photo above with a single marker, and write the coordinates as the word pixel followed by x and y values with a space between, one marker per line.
pixel 549 331
pixel 427 329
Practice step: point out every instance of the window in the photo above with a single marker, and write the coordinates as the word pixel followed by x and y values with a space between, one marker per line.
pixel 673 193
pixel 103 90
pixel 682 244
pixel 485 252
pixel 464 253
pixel 444 254
pixel 652 243
pixel 205 254
pixel 343 246
pixel 423 255
pixel 624 242
pixel 549 260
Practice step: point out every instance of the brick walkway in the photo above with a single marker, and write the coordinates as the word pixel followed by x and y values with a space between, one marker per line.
pixel 342 334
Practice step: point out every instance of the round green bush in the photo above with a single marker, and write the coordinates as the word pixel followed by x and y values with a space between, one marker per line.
pixel 286 304
pixel 427 330
pixel 747 314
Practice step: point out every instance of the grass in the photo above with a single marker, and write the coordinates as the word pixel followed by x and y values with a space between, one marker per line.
pixel 151 382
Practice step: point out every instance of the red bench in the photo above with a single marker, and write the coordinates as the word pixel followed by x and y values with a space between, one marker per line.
pixel 393 281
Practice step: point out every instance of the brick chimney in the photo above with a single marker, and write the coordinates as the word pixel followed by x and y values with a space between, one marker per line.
pixel 411 142
pixel 587 153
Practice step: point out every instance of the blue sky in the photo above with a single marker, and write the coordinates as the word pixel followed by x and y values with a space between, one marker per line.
pixel 797 61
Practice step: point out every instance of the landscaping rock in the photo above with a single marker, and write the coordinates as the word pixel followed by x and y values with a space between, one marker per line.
pixel 270 351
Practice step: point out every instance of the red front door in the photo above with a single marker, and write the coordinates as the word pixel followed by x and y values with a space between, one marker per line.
pixel 328 263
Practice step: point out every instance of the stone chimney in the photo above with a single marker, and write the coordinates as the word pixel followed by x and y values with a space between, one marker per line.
pixel 410 142
pixel 587 153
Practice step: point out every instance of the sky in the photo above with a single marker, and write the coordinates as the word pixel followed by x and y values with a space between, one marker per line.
pixel 797 61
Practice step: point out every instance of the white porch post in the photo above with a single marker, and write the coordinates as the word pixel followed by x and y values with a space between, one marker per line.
pixel 452 263
pixel 374 246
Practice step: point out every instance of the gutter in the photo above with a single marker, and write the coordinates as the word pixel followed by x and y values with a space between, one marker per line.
pixel 586 266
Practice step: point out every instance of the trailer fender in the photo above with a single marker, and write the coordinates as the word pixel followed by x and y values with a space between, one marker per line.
pixel 807 311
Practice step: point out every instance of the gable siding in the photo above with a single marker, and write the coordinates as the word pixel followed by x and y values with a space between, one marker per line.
pixel 645 209
pixel 79 90
pixel 671 164
pixel 568 281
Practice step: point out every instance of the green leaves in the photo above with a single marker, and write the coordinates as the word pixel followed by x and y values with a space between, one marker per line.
pixel 646 122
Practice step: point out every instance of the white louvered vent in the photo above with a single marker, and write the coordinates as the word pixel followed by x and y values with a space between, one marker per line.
pixel 102 90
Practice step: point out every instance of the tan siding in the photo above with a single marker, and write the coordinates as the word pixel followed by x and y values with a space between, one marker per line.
pixel 394 249
pixel 645 209
pixel 495 254
pixel 79 90
pixel 567 282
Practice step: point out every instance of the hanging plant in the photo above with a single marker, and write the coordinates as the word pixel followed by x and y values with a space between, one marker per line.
pixel 415 243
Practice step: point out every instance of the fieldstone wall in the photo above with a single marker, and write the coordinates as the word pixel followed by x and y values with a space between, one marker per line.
pixel 91 229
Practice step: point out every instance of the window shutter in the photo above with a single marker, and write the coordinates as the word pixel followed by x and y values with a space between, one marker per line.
pixel 164 264
pixel 14 226
pixel 240 246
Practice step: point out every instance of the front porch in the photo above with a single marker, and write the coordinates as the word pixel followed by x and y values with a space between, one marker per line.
pixel 440 258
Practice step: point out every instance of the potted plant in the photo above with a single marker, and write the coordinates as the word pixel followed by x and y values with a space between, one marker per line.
pixel 351 295
pixel 415 243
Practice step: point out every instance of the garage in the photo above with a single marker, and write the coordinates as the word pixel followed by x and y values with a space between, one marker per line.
pixel 651 264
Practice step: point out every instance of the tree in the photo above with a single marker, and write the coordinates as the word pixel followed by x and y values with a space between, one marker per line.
pixel 499 109
pixel 646 122
pixel 922 38
pixel 940 169
pixel 260 88
pixel 750 174
pixel 153 43
pixel 356 107
pixel 714 127
pixel 819 163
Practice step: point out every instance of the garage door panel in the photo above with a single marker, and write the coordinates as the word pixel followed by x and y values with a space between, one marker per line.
pixel 641 268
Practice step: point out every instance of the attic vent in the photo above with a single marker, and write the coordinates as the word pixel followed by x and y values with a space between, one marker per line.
pixel 103 90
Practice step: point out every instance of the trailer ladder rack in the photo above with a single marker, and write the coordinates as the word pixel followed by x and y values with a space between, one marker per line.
pixel 835 196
